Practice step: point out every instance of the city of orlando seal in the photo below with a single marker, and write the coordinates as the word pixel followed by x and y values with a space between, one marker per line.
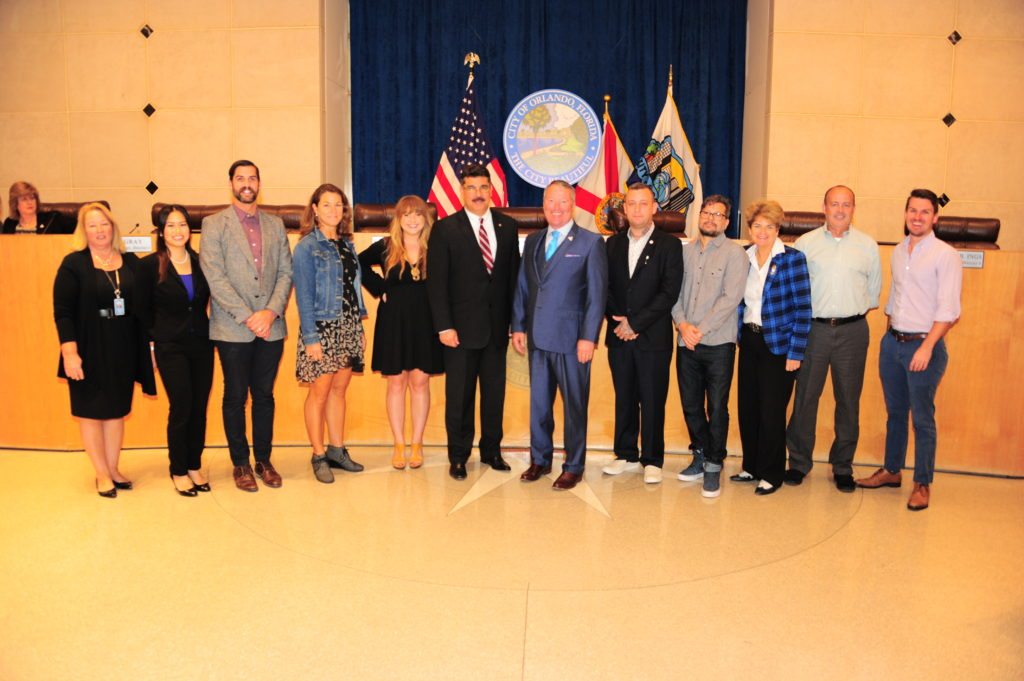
pixel 552 135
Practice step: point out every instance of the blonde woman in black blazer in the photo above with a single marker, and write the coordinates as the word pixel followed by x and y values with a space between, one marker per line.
pixel 176 296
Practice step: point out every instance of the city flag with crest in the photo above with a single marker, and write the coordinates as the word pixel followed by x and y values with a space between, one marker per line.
pixel 668 166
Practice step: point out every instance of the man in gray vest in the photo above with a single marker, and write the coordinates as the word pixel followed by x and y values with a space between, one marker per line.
pixel 245 257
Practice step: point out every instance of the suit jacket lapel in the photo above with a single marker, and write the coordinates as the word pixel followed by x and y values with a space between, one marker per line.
pixel 467 232
pixel 236 232
pixel 559 252
pixel 645 256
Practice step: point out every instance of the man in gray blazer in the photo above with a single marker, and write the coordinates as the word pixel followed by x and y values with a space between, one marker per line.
pixel 245 258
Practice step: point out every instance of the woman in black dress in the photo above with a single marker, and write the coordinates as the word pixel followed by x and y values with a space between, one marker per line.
pixel 405 350
pixel 174 311
pixel 102 344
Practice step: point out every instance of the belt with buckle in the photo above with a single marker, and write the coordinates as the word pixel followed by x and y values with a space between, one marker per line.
pixel 754 327
pixel 838 321
pixel 907 337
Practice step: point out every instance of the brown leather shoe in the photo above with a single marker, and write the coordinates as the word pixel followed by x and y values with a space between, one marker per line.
pixel 244 479
pixel 881 478
pixel 919 497
pixel 534 472
pixel 567 480
pixel 268 475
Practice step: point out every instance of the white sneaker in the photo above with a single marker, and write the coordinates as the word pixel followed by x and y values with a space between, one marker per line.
pixel 652 475
pixel 621 466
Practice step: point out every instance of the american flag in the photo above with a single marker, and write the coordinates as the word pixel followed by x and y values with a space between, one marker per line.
pixel 468 144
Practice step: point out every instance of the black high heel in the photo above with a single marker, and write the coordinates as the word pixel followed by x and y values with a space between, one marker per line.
pixel 187 493
pixel 205 487
pixel 107 494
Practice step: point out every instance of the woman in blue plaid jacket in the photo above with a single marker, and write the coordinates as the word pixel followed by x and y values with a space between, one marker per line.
pixel 774 318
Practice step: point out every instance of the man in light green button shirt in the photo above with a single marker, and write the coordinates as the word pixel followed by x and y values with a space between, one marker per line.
pixel 846 278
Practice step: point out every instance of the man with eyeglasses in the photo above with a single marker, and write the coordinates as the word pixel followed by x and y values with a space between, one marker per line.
pixel 714 277
pixel 846 278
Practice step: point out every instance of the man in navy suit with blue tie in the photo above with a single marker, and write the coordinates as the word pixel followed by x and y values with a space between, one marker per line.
pixel 557 312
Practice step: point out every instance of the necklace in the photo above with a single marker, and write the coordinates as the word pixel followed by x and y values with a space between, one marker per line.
pixel 414 268
pixel 178 262
pixel 103 261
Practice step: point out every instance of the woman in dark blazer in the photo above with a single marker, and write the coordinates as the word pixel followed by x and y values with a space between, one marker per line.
pixel 775 319
pixel 103 348
pixel 25 217
pixel 176 295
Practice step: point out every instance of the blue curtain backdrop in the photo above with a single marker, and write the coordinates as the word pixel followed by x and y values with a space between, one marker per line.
pixel 408 78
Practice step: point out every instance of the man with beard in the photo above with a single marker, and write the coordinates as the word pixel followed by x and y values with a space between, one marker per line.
pixel 923 305
pixel 714 278
pixel 846 277
pixel 244 255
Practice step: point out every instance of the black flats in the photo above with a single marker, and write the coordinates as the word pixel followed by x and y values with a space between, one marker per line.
pixel 107 493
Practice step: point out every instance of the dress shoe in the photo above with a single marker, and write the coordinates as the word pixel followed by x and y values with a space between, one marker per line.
pixel 191 492
pixel 244 479
pixel 269 476
pixel 398 457
pixel 122 484
pixel 652 475
pixel 619 466
pixel 497 463
pixel 567 480
pixel 919 497
pixel 534 472
pixel 200 487
pixel 416 458
pixel 743 476
pixel 321 470
pixel 765 488
pixel 457 471
pixel 845 483
pixel 793 477
pixel 338 457
pixel 106 493
pixel 881 478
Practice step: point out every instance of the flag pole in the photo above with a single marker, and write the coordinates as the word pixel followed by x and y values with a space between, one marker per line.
pixel 669 80
pixel 607 98
pixel 472 60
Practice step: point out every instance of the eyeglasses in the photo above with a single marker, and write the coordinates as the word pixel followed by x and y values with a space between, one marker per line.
pixel 717 216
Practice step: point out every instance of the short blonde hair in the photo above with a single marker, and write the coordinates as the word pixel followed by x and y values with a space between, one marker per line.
pixel 770 210
pixel 78 240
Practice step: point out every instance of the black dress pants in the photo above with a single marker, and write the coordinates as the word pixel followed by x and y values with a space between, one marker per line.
pixel 763 391
pixel 640 379
pixel 464 368
pixel 186 369
pixel 249 368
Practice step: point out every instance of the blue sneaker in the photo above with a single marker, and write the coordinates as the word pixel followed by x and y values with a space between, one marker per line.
pixel 695 471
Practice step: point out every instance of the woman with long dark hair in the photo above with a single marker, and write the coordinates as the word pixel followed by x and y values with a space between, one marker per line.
pixel 176 296
pixel 328 293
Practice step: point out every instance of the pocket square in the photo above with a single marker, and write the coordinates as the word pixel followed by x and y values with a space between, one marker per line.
pixel 573 255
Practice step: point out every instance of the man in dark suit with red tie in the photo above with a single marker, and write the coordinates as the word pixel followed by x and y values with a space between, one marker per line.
pixel 645 272
pixel 472 264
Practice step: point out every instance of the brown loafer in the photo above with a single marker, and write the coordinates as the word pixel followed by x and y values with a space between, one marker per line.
pixel 268 475
pixel 534 472
pixel 881 478
pixel 567 480
pixel 919 497
pixel 244 479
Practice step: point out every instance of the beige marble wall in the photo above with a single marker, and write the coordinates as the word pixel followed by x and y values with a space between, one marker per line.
pixel 228 79
pixel 857 94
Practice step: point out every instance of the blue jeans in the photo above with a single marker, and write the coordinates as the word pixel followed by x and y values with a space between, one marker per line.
pixel 704 375
pixel 910 392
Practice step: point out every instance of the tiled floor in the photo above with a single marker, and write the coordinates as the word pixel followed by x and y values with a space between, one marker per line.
pixel 411 575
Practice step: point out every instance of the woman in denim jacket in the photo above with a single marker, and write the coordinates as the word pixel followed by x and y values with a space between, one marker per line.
pixel 329 296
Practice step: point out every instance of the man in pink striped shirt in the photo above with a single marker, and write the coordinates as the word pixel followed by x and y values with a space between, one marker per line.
pixel 923 306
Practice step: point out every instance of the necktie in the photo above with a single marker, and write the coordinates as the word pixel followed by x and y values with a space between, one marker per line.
pixel 552 246
pixel 485 248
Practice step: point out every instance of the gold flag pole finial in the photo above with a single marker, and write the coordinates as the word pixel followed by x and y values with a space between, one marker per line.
pixel 607 98
pixel 472 60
